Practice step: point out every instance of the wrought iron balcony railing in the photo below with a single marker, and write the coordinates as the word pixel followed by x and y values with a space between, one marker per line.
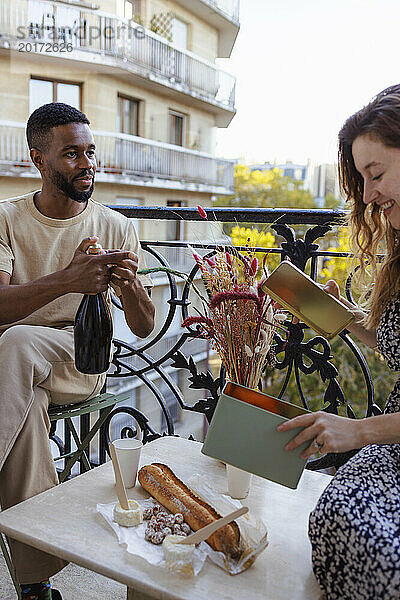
pixel 67 32
pixel 178 256
pixel 301 355
pixel 120 155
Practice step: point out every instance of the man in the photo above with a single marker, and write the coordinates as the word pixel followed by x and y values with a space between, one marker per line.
pixel 44 270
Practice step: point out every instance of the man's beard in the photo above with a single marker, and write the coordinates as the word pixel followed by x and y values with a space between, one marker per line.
pixel 68 188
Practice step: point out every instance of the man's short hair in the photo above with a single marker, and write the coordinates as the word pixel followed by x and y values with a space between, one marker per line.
pixel 48 116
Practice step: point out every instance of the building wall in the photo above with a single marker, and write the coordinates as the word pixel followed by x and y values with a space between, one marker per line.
pixel 202 37
pixel 100 101
pixel 154 118
pixel 109 6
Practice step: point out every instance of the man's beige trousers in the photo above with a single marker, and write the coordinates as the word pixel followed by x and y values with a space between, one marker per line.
pixel 36 368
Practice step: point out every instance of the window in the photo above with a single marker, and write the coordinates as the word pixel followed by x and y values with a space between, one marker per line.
pixel 128 115
pixel 177 128
pixel 68 93
pixel 128 9
pixel 43 91
pixel 174 228
pixel 180 33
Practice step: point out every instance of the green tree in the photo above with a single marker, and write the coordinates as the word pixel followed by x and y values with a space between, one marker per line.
pixel 242 236
pixel 337 267
pixel 270 189
pixel 332 202
pixel 266 189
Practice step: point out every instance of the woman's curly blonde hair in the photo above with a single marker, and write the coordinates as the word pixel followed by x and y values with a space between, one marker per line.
pixel 370 232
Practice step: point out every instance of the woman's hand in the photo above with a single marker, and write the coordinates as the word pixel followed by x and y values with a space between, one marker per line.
pixel 326 432
pixel 332 288
pixel 367 336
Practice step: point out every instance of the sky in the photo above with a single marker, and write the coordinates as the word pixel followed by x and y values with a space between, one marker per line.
pixel 302 68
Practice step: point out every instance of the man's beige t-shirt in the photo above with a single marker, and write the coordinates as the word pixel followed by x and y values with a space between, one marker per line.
pixel 33 245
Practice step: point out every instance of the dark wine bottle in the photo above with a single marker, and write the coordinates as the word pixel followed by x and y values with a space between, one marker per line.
pixel 93 331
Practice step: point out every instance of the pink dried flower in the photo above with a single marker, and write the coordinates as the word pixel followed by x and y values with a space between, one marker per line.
pixel 253 267
pixel 192 320
pixel 237 317
pixel 196 255
pixel 264 265
pixel 202 213
pixel 198 259
pixel 229 296
pixel 210 262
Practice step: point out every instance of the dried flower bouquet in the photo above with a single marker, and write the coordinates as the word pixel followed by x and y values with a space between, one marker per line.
pixel 238 317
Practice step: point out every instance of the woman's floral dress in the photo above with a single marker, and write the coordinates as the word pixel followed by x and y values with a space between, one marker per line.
pixel 355 527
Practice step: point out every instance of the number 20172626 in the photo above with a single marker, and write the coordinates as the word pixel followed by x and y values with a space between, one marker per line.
pixel 44 47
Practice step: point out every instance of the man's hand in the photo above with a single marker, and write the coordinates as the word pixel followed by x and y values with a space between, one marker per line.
pixel 124 273
pixel 90 273
pixel 138 308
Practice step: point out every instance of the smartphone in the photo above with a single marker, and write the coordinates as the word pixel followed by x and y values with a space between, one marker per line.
pixel 304 298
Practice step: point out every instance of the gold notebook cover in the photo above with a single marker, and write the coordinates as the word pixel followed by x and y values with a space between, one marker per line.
pixel 304 298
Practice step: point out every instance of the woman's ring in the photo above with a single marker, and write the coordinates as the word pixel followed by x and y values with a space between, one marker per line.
pixel 318 444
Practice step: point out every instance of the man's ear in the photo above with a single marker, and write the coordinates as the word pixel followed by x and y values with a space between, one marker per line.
pixel 37 158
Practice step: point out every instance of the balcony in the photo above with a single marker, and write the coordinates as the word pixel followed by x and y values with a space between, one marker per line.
pixel 101 42
pixel 129 159
pixel 222 14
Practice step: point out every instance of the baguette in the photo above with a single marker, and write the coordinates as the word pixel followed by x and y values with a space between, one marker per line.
pixel 171 492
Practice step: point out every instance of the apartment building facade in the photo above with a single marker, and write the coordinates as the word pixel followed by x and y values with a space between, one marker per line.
pixel 144 72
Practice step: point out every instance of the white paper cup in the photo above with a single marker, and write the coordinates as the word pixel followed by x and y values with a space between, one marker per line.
pixel 128 452
pixel 238 482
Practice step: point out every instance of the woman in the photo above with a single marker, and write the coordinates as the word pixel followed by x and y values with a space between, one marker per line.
pixel 355 527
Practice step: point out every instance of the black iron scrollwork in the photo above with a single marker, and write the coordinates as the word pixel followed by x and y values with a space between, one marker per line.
pixel 200 381
pixel 299 251
pixel 145 432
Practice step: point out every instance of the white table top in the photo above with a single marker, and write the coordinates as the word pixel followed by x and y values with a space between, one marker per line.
pixel 63 521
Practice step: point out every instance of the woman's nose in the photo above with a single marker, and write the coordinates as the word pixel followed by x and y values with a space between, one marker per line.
pixel 370 194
